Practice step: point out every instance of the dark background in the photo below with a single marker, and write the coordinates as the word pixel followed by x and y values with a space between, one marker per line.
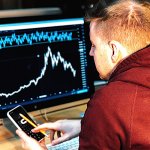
pixel 66 5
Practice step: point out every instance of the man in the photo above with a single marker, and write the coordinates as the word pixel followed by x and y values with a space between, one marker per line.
pixel 118 115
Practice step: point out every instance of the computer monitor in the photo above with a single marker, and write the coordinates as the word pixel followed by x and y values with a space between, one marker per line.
pixel 43 63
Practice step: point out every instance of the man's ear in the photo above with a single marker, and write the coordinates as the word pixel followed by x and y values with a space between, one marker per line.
pixel 117 51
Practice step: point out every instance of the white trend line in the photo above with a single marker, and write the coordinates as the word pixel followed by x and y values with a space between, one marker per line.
pixel 54 60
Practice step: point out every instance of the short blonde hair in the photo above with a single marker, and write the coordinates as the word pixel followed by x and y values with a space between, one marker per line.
pixel 126 21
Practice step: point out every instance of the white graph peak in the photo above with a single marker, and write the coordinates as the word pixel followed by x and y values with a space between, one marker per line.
pixel 54 62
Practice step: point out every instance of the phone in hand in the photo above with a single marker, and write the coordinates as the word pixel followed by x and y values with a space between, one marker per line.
pixel 23 124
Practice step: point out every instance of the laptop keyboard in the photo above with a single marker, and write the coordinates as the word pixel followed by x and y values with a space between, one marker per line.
pixel 72 144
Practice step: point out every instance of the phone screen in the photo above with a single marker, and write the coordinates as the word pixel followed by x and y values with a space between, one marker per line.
pixel 22 124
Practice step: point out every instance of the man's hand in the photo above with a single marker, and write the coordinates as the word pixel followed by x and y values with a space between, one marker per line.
pixel 30 143
pixel 65 129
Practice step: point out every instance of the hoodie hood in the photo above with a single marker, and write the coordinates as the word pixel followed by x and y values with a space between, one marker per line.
pixel 134 69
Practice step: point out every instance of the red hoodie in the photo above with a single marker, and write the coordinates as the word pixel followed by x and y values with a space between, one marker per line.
pixel 118 115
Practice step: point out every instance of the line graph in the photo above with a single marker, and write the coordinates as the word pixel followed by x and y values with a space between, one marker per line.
pixel 54 62
pixel 18 40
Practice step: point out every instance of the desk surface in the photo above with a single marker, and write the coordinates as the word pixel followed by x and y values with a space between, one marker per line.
pixel 74 110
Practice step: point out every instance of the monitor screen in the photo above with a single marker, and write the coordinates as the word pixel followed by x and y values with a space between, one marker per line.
pixel 43 63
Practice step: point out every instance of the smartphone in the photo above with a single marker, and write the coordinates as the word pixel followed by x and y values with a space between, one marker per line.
pixel 22 124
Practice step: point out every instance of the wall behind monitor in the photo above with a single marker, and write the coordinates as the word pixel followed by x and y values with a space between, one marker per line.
pixel 76 7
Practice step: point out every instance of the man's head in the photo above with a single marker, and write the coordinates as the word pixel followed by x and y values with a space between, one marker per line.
pixel 118 31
